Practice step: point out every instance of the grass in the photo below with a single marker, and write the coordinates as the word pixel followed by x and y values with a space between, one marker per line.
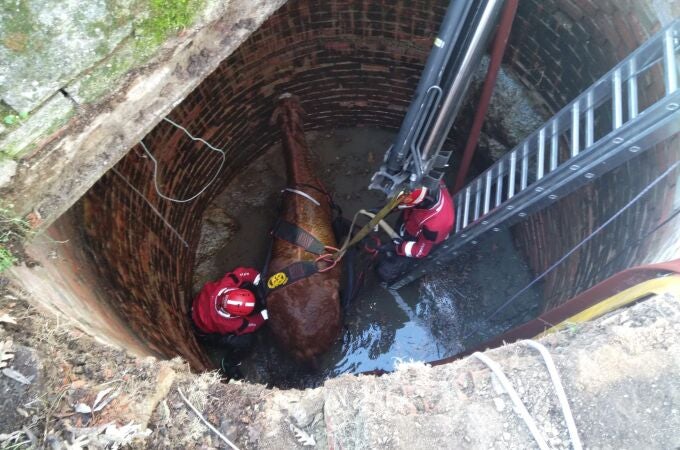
pixel 7 259
pixel 12 229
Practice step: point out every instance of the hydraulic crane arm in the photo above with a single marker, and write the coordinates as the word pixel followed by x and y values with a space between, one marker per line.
pixel 416 155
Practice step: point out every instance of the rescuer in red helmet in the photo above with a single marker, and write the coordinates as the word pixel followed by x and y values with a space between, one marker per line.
pixel 225 307
pixel 224 317
pixel 427 219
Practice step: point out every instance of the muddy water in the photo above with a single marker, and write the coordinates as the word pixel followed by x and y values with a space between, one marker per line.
pixel 431 319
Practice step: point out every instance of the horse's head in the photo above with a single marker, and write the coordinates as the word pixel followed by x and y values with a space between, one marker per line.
pixel 288 112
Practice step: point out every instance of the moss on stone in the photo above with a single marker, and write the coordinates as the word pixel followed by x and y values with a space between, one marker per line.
pixel 9 118
pixel 165 17
pixel 25 135
pixel 160 19
pixel 15 27
pixel 100 80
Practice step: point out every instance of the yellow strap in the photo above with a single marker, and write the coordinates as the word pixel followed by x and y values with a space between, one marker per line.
pixel 661 285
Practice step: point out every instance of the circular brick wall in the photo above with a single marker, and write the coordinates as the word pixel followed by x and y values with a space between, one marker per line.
pixel 353 63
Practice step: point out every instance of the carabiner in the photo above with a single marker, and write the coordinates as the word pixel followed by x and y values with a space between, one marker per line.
pixel 326 258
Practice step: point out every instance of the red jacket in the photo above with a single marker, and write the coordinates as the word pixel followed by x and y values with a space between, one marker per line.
pixel 210 318
pixel 425 227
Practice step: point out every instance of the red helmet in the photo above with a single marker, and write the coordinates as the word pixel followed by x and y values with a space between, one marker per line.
pixel 415 197
pixel 237 302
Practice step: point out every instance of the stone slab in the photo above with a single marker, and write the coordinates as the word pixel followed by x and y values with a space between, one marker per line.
pixel 46 43
pixel 51 115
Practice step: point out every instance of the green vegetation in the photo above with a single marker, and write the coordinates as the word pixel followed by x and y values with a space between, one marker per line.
pixel 165 17
pixel 16 25
pixel 6 258
pixel 11 119
pixel 12 231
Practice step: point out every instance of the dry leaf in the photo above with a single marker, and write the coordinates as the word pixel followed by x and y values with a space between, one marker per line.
pixel 303 437
pixel 34 219
pixel 16 376
pixel 121 436
pixel 79 443
pixel 82 408
pixel 5 353
pixel 14 436
pixel 8 319
pixel 99 404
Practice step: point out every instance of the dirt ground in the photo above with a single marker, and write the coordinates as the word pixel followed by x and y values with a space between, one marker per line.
pixel 621 375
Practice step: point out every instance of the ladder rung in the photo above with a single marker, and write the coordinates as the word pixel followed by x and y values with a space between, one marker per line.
pixel 671 75
pixel 499 184
pixel 590 120
pixel 554 147
pixel 478 198
pixel 632 91
pixel 525 166
pixel 575 118
pixel 466 211
pixel 513 168
pixel 617 101
pixel 487 193
pixel 459 216
pixel 541 154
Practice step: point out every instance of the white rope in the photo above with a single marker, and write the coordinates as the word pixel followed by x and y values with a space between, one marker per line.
pixel 384 225
pixel 153 208
pixel 519 405
pixel 205 421
pixel 302 194
pixel 155 165
pixel 561 395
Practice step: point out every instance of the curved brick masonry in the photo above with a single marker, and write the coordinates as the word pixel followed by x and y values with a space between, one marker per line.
pixel 353 63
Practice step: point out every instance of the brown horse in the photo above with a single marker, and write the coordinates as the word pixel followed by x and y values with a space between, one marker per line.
pixel 305 315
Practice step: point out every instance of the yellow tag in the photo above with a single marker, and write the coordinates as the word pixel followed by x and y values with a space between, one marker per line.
pixel 276 280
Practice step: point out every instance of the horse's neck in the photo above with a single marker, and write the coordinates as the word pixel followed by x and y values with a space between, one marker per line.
pixel 298 161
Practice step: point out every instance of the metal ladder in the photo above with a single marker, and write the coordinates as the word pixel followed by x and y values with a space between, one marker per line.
pixel 602 128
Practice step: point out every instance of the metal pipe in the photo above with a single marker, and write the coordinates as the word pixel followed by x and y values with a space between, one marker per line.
pixel 455 95
pixel 499 44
